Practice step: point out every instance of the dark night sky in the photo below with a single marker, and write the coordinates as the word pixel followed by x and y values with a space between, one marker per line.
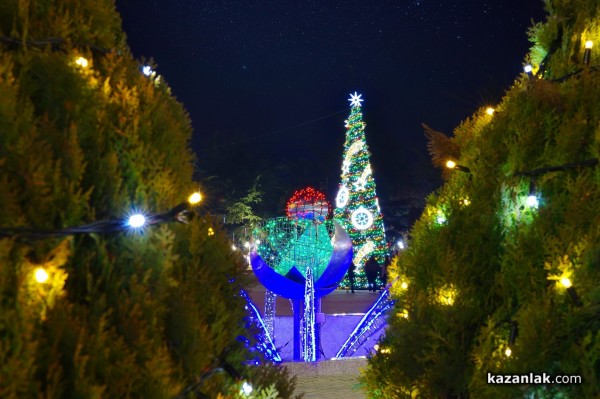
pixel 261 68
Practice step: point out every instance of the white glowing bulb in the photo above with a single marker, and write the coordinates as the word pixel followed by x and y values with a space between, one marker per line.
pixel 247 244
pixel 404 285
pixel 401 244
pixel 246 388
pixel 532 201
pixel 490 111
pixel 234 247
pixel 136 221
pixel 508 352
pixel 257 242
pixel 566 282
pixel 146 70
pixel 41 275
pixel 528 68
pixel 441 218
pixel 589 44
pixel 82 62
pixel 195 198
pixel 450 164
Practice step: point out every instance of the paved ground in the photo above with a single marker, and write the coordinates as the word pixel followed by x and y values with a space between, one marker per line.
pixel 329 379
pixel 330 387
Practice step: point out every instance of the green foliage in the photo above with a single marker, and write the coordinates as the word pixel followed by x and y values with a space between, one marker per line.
pixel 121 315
pixel 499 260
pixel 240 211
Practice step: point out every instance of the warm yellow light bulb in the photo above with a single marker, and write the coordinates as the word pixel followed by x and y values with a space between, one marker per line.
pixel 490 111
pixel 41 275
pixel 211 232
pixel 508 352
pixel 566 282
pixel 82 62
pixel 195 198
pixel 404 285
pixel 450 164
pixel 589 44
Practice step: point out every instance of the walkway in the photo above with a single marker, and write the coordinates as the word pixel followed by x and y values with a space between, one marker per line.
pixel 329 379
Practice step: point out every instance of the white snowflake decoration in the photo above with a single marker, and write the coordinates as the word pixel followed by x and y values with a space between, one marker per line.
pixel 362 218
pixel 342 197
pixel 355 99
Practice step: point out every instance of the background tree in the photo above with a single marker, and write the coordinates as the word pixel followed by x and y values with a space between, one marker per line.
pixel 357 205
pixel 482 285
pixel 86 136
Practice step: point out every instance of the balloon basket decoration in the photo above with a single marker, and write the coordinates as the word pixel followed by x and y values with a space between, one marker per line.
pixel 302 260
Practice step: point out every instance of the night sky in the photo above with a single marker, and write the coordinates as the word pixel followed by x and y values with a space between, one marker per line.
pixel 267 82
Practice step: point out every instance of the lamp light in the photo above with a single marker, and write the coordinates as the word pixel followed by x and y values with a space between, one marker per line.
pixel 246 388
pixel 41 275
pixel 532 200
pixel 136 221
pixel 490 111
pixel 147 70
pixel 566 282
pixel 587 52
pixel 450 164
pixel 82 62
pixel 528 70
pixel 195 198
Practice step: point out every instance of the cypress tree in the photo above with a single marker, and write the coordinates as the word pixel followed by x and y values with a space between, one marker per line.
pixel 85 136
pixel 501 274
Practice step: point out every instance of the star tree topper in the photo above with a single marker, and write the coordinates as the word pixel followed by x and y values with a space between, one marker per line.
pixel 355 99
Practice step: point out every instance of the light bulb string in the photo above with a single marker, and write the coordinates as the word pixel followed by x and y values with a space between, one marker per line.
pixel 176 214
pixel 572 165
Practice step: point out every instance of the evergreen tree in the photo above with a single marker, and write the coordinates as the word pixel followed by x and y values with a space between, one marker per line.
pixel 357 206
pixel 501 274
pixel 86 136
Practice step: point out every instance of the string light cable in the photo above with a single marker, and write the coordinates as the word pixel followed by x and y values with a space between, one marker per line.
pixel 573 165
pixel 135 220
pixel 55 43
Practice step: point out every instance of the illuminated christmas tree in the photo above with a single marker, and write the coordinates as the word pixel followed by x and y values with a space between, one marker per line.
pixel 357 206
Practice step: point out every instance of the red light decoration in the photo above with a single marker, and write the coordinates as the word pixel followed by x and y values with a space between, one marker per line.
pixel 308 203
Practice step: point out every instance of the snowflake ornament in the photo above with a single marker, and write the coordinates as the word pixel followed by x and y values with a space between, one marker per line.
pixel 362 218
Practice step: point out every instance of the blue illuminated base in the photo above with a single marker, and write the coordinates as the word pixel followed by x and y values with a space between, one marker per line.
pixel 334 332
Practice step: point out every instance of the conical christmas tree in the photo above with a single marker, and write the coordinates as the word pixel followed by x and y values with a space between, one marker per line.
pixel 357 206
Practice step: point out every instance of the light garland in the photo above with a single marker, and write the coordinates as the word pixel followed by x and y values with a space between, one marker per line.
pixel 308 203
pixel 374 320
pixel 309 352
pixel 362 253
pixel 136 222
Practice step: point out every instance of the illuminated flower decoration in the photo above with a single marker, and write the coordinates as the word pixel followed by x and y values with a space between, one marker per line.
pixel 291 246
pixel 309 204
